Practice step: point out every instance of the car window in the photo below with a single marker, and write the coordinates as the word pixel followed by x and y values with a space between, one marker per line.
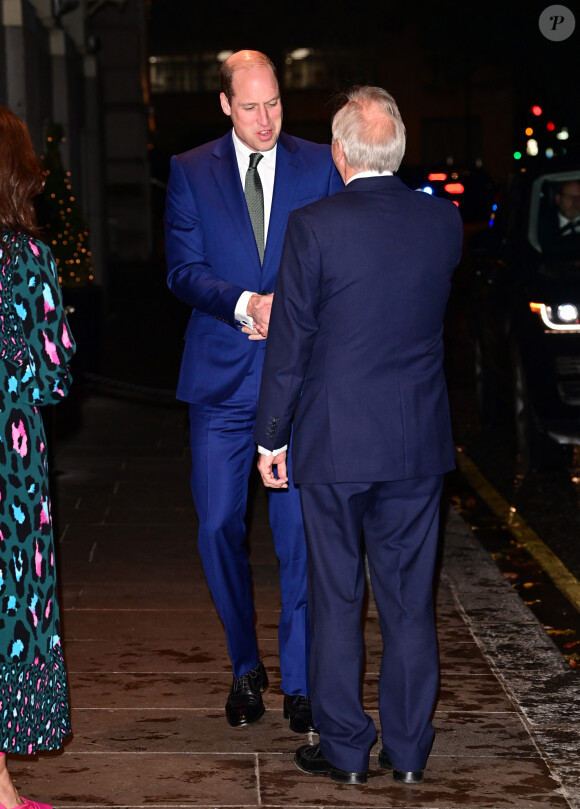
pixel 554 218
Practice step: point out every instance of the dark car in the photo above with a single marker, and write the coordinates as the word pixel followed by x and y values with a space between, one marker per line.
pixel 525 312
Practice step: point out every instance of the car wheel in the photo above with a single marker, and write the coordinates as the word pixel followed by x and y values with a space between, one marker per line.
pixel 486 397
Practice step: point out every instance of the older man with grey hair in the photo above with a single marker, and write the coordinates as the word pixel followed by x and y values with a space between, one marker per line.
pixel 355 361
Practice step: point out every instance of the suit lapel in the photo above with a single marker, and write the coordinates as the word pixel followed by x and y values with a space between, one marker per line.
pixel 288 173
pixel 226 174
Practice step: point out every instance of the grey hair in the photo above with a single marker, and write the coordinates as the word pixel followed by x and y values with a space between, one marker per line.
pixel 371 129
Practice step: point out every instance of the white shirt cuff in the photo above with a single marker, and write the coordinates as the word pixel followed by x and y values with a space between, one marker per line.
pixel 264 451
pixel 240 312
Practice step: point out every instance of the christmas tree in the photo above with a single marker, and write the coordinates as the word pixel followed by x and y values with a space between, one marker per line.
pixel 60 218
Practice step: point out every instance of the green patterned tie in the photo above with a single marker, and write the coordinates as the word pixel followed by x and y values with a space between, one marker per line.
pixel 255 200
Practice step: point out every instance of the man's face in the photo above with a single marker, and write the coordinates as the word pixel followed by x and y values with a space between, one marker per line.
pixel 255 110
pixel 568 200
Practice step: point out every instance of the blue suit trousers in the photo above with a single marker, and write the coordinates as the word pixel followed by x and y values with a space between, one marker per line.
pixel 223 451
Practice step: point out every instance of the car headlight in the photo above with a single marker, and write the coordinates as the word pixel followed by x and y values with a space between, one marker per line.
pixel 564 317
pixel 567 313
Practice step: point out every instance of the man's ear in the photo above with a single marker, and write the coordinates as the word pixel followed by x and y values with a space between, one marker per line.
pixel 225 104
pixel 338 157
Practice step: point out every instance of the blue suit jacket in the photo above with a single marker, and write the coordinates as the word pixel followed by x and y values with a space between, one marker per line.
pixel 212 255
pixel 355 345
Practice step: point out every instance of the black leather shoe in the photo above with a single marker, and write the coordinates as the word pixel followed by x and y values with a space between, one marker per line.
pixel 309 758
pixel 297 708
pixel 244 704
pixel 402 776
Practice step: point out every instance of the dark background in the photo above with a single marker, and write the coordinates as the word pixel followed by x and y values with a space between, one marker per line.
pixel 442 49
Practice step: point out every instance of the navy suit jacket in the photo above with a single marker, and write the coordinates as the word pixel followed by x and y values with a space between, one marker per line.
pixel 355 345
pixel 212 255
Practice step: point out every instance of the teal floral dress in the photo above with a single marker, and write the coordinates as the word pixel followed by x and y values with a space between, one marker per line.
pixel 35 349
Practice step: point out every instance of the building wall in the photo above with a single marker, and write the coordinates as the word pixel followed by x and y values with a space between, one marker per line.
pixel 81 64
pixel 25 67
pixel 468 120
pixel 122 55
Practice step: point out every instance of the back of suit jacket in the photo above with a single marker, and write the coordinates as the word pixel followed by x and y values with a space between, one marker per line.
pixel 356 337
pixel 212 255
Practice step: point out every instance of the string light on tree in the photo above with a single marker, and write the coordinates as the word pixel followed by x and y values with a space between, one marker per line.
pixel 60 216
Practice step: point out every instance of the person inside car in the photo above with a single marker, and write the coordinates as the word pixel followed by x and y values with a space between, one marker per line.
pixel 561 218
pixel 567 199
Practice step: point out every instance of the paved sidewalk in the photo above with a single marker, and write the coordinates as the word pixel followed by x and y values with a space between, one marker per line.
pixel 149 671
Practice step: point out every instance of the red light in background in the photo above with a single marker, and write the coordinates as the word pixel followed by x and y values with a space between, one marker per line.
pixel 550 126
pixel 454 188
pixel 434 176
pixel 536 110
pixel 455 202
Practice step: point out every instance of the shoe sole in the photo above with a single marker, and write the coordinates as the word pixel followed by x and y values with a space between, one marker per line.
pixel 355 778
pixel 301 731
pixel 349 778
pixel 403 778
pixel 398 775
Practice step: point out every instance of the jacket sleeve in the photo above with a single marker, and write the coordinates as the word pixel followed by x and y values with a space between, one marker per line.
pixel 189 275
pixel 35 361
pixel 291 335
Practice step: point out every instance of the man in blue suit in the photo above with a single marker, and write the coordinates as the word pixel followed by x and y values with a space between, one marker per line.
pixel 355 357
pixel 226 213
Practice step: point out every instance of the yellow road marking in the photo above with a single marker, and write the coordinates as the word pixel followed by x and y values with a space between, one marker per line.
pixel 556 570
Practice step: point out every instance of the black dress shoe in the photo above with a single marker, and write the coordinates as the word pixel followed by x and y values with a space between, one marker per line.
pixel 244 704
pixel 402 776
pixel 298 709
pixel 309 758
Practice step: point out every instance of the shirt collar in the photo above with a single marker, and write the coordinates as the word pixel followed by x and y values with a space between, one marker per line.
pixel 369 173
pixel 564 221
pixel 243 152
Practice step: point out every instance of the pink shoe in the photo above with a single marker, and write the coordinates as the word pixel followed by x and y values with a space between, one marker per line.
pixel 26 804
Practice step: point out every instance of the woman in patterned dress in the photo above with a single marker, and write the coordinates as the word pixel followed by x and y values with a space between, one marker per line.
pixel 35 348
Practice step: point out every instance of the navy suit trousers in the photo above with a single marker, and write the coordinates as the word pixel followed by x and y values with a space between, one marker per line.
pixel 400 523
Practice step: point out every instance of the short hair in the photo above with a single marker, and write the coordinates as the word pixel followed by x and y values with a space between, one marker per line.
pixel 21 175
pixel 241 59
pixel 371 129
pixel 560 186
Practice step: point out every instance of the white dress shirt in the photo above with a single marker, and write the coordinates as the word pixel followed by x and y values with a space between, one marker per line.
pixel 563 222
pixel 369 173
pixel 267 173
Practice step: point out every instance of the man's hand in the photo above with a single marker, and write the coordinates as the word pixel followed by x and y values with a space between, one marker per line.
pixel 252 333
pixel 259 308
pixel 266 464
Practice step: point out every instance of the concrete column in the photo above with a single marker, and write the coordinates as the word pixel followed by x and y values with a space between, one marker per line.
pixel 122 56
pixel 14 56
pixel 25 64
